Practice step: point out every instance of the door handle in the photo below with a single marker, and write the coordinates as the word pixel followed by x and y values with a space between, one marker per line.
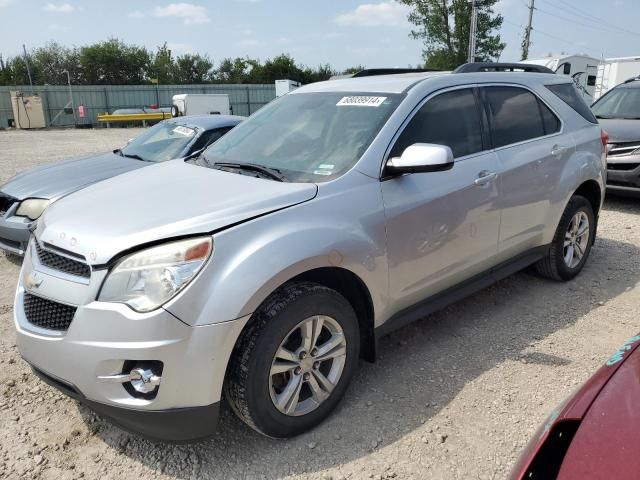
pixel 485 177
pixel 558 150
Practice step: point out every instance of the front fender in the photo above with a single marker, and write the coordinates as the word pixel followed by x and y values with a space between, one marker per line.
pixel 344 229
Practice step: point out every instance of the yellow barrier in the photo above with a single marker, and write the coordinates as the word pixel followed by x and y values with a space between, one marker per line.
pixel 133 117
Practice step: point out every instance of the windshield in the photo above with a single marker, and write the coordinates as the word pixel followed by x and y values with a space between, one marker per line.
pixel 165 141
pixel 619 103
pixel 306 137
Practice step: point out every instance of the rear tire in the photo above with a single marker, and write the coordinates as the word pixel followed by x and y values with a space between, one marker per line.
pixel 572 242
pixel 311 376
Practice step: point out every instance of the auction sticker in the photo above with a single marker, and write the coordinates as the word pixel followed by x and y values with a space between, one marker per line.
pixel 187 132
pixel 361 101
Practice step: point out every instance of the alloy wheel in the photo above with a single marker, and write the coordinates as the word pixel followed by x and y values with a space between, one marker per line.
pixel 576 239
pixel 307 365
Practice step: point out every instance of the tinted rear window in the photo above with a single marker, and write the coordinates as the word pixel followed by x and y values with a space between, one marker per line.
pixel 516 116
pixel 569 95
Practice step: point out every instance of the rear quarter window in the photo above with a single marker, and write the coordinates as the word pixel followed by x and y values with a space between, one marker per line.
pixel 569 95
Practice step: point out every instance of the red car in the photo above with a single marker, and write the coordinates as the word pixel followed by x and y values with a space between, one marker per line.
pixel 595 433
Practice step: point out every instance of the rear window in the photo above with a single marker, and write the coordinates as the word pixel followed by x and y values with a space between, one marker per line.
pixel 569 95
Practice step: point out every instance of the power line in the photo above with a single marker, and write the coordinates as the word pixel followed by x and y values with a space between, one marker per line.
pixel 578 11
pixel 573 21
pixel 600 24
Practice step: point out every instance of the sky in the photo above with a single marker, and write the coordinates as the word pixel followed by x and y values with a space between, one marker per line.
pixel 343 33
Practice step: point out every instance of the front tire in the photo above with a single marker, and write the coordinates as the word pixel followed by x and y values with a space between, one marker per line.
pixel 572 242
pixel 294 361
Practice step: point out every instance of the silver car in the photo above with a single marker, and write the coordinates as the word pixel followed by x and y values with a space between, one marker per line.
pixel 265 268
pixel 25 196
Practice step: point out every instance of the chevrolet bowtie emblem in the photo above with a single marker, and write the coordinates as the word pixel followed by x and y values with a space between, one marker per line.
pixel 32 280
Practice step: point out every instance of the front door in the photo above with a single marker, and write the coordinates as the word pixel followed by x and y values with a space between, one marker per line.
pixel 442 227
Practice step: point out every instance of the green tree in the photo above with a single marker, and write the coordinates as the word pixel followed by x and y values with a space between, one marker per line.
pixel 193 69
pixel 113 63
pixel 51 61
pixel 318 74
pixel 15 72
pixel 235 70
pixel 277 68
pixel 163 66
pixel 444 26
pixel 356 69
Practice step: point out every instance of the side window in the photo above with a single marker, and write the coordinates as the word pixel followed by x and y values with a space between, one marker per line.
pixel 451 119
pixel 568 94
pixel 207 138
pixel 515 115
pixel 549 119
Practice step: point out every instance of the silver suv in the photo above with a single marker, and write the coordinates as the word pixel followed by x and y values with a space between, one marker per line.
pixel 264 269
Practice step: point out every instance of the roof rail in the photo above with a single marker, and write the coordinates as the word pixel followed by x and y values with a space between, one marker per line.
pixel 501 67
pixel 370 72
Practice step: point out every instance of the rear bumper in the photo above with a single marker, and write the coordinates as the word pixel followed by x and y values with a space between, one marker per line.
pixel 177 425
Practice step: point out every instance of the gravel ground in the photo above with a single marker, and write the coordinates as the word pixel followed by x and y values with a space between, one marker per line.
pixel 455 396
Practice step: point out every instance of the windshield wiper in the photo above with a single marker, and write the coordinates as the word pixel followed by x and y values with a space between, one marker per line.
pixel 270 172
pixel 134 156
pixel 605 117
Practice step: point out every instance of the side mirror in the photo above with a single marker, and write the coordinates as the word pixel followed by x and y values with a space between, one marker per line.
pixel 421 157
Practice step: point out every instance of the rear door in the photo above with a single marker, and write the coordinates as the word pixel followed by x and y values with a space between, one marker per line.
pixel 442 227
pixel 527 137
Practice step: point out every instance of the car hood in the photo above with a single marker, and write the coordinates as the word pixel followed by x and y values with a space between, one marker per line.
pixel 621 130
pixel 60 179
pixel 163 201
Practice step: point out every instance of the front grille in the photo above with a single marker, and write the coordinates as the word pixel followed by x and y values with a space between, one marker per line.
pixel 5 205
pixel 621 149
pixel 622 167
pixel 63 264
pixel 48 314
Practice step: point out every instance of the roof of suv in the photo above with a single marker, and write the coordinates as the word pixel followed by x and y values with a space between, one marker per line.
pixel 402 82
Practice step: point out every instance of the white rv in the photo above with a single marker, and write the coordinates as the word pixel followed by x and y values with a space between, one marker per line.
pixel 582 68
pixel 614 71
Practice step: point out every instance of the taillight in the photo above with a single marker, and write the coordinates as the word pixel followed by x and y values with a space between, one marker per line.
pixel 604 138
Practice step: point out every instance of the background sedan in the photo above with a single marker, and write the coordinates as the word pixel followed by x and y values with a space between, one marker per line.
pixel 25 196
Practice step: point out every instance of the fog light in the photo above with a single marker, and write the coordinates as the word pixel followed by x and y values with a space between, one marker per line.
pixel 143 380
pixel 138 378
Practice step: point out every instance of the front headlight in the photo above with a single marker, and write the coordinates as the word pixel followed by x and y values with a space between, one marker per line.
pixel 32 208
pixel 150 278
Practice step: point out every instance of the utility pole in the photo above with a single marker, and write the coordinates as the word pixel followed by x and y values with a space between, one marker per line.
pixel 473 30
pixel 527 32
pixel 73 107
pixel 26 61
